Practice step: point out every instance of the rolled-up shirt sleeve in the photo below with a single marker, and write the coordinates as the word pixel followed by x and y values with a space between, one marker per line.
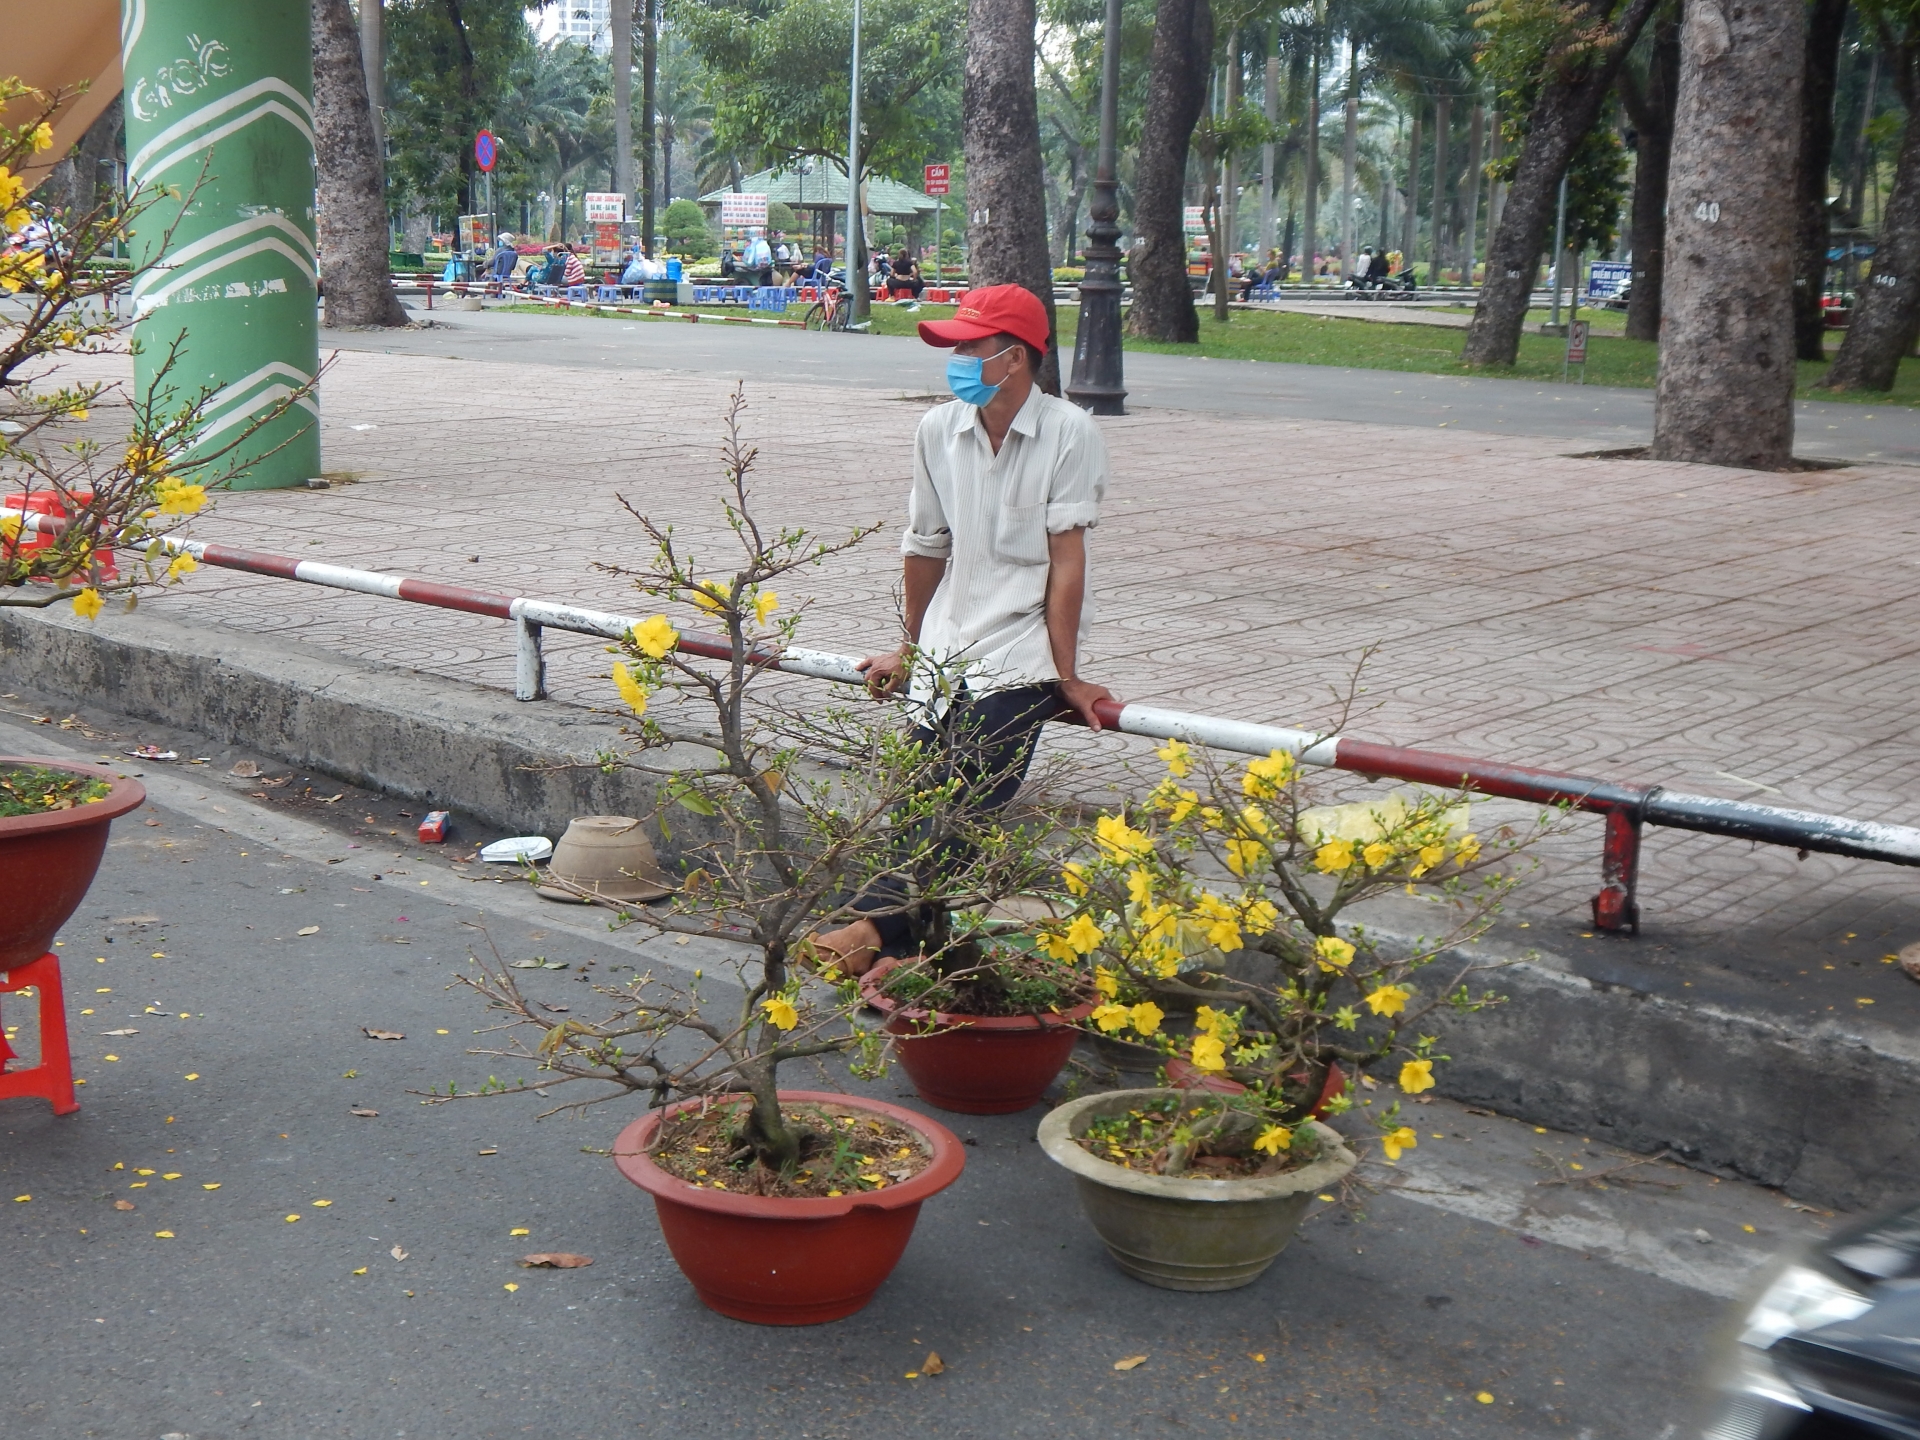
pixel 927 532
pixel 1079 481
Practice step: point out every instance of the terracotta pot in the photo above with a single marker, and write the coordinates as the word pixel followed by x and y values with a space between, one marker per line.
pixel 1180 1072
pixel 1183 1234
pixel 48 861
pixel 789 1262
pixel 976 1064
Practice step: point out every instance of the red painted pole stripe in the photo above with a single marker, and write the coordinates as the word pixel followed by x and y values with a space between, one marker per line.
pixel 1489 777
pixel 457 597
pixel 254 562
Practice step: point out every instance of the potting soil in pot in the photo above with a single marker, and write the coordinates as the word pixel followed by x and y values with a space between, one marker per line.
pixel 37 790
pixel 1148 1138
pixel 1012 984
pixel 840 1154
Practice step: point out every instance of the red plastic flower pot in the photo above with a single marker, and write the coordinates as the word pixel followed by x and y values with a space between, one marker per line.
pixel 48 861
pixel 1183 1074
pixel 976 1064
pixel 774 1261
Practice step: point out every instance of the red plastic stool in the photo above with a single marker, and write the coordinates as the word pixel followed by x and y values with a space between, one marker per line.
pixel 52 1078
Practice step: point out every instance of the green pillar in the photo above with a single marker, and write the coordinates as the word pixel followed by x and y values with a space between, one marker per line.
pixel 228 85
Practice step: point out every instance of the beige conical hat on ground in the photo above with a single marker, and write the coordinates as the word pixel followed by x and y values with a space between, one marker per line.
pixel 605 855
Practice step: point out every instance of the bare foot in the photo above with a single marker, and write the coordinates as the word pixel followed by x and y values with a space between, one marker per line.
pixel 853 948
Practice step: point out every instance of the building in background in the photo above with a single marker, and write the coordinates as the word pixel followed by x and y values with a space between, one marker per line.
pixel 584 22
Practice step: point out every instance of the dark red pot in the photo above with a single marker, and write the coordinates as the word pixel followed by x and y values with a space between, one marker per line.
pixel 788 1262
pixel 977 1064
pixel 48 861
pixel 1182 1074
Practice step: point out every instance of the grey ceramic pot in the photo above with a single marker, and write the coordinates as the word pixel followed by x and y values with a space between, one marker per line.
pixel 1185 1234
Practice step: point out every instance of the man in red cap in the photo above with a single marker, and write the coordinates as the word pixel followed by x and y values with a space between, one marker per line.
pixel 1006 483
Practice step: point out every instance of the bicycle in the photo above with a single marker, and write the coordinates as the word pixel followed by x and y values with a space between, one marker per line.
pixel 832 311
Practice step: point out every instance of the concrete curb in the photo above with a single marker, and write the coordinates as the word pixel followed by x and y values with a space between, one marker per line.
pixel 1823 1110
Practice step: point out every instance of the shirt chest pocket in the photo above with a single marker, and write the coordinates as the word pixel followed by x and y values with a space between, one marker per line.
pixel 1020 533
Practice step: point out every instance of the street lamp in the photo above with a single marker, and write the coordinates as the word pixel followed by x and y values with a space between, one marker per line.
pixel 1099 381
pixel 856 281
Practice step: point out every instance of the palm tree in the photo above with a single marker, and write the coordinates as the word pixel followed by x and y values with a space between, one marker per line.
pixel 1385 41
pixel 550 112
pixel 681 107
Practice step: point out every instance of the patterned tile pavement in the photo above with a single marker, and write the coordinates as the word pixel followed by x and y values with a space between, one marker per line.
pixel 1742 634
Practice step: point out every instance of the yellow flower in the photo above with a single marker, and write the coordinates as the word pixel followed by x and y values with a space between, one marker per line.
pixel 764 604
pixel 1469 850
pixel 710 596
pixel 1399 1141
pixel 1377 854
pixel 1333 953
pixel 1208 1053
pixel 1332 856
pixel 1105 981
pixel 1111 1017
pixel 182 566
pixel 1274 1139
pixel 1430 856
pixel 630 689
pixel 41 137
pixel 1179 757
pixel 1140 886
pixel 655 636
pixel 781 1012
pixel 1075 876
pixel 176 497
pixel 1260 917
pixel 1213 1022
pixel 1416 1075
pixel 1146 1017
pixel 1244 856
pixel 10 527
pixel 1055 944
pixel 1083 934
pixel 87 604
pixel 1179 804
pixel 1266 776
pixel 1389 999
pixel 1119 839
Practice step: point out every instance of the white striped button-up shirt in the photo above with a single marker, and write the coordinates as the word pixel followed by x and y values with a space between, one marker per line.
pixel 988 516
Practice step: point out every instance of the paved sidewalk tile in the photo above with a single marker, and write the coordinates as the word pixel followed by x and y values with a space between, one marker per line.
pixel 1720 631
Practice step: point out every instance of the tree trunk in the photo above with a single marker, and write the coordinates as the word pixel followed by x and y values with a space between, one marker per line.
pixel 1442 123
pixel 1162 306
pixel 1650 108
pixel 1006 195
pixel 666 163
pixel 373 56
pixel 1565 110
pixel 1857 166
pixel 1886 316
pixel 1229 170
pixel 1826 22
pixel 649 98
pixel 622 18
pixel 1476 137
pixel 352 193
pixel 1410 222
pixel 1725 394
pixel 1270 108
pixel 1349 158
pixel 1310 223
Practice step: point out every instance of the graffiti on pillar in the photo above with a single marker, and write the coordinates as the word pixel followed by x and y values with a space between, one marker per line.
pixel 189 75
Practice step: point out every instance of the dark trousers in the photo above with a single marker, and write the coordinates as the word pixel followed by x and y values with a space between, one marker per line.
pixel 984 741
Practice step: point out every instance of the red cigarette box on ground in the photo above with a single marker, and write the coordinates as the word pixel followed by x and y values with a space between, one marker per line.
pixel 433 829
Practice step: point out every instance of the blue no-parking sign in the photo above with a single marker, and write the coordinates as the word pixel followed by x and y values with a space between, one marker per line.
pixel 485 151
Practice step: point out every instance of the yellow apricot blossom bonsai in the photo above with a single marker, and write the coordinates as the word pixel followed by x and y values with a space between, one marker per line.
pixel 1223 897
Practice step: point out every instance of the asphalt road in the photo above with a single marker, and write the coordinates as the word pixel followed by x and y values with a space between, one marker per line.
pixel 1589 416
pixel 1580 1310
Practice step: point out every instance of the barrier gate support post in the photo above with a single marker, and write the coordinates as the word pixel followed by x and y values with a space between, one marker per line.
pixel 529 665
pixel 1615 907
pixel 219 95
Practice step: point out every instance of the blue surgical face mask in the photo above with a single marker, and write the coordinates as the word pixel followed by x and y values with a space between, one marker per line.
pixel 963 378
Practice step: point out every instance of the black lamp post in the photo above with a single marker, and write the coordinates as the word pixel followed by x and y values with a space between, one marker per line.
pixel 1099 380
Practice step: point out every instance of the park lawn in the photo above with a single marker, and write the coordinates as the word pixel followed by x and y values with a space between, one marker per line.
pixel 1295 339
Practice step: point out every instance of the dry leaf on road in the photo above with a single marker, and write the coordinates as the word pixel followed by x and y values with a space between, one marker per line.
pixel 308 930
pixel 397 1253
pixel 1132 1362
pixel 245 769
pixel 555 1260
pixel 363 1113
pixel 123 1204
pixel 373 1034
pixel 935 1365
pixel 119 1032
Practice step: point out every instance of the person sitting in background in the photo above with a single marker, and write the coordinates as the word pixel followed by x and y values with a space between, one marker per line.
pixel 1249 282
pixel 505 260
pixel 905 278
pixel 759 259
pixel 575 272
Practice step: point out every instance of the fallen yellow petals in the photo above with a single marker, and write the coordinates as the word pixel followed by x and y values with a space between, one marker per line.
pixel 320 1204
pixel 522 1230
pixel 144 1172
pixel 21 1199
pixel 1132 1362
pixel 1485 1397
pixel 361 1271
pixel 214 1186
pixel 163 1234
pixel 175 1175
pixel 510 1286
pixel 109 1057
pixel 293 1219
pixel 194 1076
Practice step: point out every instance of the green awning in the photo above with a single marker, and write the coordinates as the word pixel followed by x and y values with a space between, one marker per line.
pixel 826 189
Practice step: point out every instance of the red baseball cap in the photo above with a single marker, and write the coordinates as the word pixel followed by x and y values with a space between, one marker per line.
pixel 995 310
